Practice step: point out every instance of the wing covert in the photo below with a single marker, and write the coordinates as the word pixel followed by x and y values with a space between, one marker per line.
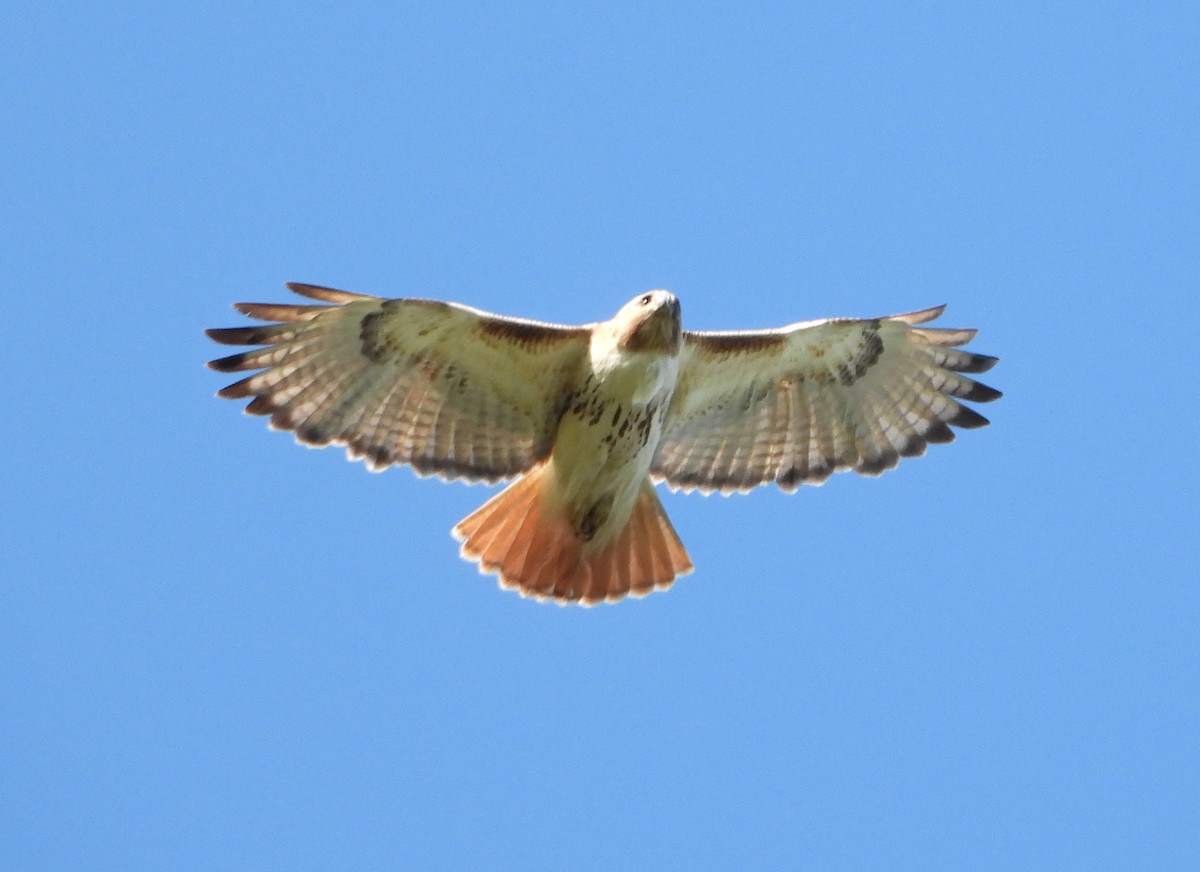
pixel 448 389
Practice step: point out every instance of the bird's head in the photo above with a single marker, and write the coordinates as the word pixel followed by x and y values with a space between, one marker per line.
pixel 650 322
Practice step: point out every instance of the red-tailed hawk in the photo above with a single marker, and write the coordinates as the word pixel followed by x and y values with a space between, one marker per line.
pixel 587 418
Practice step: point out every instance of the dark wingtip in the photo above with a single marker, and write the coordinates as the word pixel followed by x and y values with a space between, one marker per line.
pixel 981 393
pixel 968 419
pixel 256 335
pixel 312 435
pixel 939 433
pixel 981 363
pixel 261 405
pixel 879 464
pixel 232 363
pixel 819 474
pixel 914 446
pixel 224 335
pixel 236 391
pixel 378 457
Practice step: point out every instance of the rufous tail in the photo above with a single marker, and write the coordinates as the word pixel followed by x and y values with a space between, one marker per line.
pixel 530 543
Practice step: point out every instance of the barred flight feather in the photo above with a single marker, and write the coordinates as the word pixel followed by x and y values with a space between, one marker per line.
pixel 861 395
pixel 396 381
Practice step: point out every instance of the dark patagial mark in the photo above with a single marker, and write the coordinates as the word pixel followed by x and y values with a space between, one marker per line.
pixel 736 343
pixel 524 333
pixel 868 354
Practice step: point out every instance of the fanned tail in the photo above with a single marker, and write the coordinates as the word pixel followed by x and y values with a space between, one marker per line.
pixel 526 538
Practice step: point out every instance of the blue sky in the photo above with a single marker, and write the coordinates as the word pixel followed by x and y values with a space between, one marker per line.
pixel 220 650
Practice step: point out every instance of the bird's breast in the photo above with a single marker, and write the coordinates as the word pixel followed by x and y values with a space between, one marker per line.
pixel 606 441
pixel 633 376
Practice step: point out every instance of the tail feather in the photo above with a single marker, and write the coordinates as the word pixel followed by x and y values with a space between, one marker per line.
pixel 610 570
pixel 527 539
pixel 531 563
pixel 652 542
pixel 522 552
pixel 575 585
pixel 676 554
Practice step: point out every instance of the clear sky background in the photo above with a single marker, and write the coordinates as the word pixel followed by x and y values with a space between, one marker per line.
pixel 221 650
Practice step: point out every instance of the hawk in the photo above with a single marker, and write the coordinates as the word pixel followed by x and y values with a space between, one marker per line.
pixel 587 419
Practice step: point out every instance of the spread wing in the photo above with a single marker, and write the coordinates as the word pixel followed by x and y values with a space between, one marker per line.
pixel 448 389
pixel 796 404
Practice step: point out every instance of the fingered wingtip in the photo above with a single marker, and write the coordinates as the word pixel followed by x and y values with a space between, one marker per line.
pixel 324 294
pixel 921 316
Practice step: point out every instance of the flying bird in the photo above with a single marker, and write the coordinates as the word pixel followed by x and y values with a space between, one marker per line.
pixel 587 419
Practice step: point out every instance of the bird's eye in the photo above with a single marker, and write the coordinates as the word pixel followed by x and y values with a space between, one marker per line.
pixel 645 301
